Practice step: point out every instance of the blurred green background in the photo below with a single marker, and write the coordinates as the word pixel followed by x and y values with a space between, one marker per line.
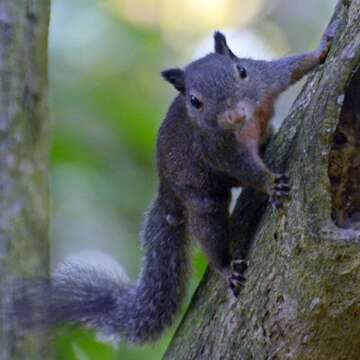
pixel 107 101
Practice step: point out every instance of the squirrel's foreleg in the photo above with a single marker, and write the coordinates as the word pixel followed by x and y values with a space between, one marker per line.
pixel 291 69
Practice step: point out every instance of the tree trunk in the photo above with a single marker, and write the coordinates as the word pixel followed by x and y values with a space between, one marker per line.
pixel 24 137
pixel 302 295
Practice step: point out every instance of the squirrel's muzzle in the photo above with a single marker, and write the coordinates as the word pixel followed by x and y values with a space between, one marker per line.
pixel 235 117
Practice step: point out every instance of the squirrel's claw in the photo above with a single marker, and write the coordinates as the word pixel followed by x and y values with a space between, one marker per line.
pixel 236 279
pixel 281 178
pixel 239 265
pixel 279 191
pixel 331 30
pixel 326 41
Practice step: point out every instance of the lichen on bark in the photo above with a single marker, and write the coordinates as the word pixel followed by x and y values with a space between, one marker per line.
pixel 302 295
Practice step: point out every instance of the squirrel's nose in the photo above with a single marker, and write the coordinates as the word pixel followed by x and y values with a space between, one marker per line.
pixel 232 119
pixel 235 117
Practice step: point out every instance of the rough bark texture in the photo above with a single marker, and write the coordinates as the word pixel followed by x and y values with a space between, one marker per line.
pixel 302 295
pixel 24 137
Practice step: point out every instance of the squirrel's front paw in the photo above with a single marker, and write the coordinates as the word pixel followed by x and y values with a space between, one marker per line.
pixel 236 279
pixel 279 191
pixel 326 41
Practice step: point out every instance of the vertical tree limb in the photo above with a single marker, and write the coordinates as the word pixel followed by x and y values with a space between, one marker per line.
pixel 24 140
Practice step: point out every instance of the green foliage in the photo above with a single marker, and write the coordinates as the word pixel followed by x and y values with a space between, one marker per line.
pixel 82 345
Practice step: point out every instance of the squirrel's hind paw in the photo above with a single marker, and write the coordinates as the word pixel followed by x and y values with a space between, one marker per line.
pixel 236 279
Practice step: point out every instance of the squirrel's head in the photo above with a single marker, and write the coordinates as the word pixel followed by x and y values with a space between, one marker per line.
pixel 220 89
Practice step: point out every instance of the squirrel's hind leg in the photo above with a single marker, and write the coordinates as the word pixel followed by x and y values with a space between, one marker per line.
pixel 208 222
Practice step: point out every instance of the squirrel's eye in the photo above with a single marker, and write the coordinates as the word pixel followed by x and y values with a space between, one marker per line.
pixel 242 72
pixel 195 102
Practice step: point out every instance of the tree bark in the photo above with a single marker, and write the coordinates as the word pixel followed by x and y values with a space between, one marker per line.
pixel 24 138
pixel 301 299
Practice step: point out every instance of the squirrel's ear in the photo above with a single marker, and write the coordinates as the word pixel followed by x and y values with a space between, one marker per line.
pixel 175 77
pixel 221 47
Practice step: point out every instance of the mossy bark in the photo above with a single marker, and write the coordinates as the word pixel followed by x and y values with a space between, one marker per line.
pixel 24 138
pixel 302 295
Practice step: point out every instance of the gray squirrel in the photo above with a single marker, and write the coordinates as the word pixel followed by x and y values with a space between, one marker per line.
pixel 208 143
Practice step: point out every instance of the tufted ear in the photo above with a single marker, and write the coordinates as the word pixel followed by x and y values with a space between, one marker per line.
pixel 221 47
pixel 175 77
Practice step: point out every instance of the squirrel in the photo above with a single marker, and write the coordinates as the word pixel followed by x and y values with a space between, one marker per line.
pixel 208 143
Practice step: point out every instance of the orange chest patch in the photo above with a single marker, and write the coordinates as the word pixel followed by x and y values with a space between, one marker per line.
pixel 255 129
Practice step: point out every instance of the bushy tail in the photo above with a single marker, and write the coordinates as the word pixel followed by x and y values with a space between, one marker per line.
pixel 138 312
